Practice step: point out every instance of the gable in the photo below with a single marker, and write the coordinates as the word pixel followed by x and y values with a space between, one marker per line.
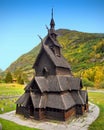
pixel 58 61
pixel 42 63
pixel 53 45
pixel 23 100
pixel 50 41
pixel 33 86
pixel 50 54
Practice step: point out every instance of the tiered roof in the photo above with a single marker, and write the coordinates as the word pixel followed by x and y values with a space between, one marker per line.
pixel 60 92
pixel 54 91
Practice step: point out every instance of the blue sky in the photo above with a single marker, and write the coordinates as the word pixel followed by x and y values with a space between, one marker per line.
pixel 22 20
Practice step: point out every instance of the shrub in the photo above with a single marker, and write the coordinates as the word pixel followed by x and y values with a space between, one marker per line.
pixel 20 80
pixel 102 84
pixel 8 78
pixel 87 83
pixel 100 47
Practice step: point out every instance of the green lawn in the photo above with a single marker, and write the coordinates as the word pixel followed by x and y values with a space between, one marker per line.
pixel 9 93
pixel 98 99
pixel 8 125
pixel 7 103
pixel 11 89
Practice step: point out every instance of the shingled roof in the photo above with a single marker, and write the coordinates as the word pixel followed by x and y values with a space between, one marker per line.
pixel 58 61
pixel 56 83
pixel 39 101
pixel 77 98
pixel 53 92
pixel 65 85
pixel 31 84
pixel 55 42
pixel 23 100
pixel 64 101
pixel 42 83
pixel 84 95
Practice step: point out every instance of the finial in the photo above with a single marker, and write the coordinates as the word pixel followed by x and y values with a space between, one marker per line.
pixel 52 13
pixel 52 23
pixel 47 28
pixel 40 38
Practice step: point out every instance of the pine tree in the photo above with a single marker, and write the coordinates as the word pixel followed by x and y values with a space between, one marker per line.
pixel 8 78
pixel 20 80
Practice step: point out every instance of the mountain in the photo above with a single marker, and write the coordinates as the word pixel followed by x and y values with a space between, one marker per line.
pixel 24 63
pixel 82 50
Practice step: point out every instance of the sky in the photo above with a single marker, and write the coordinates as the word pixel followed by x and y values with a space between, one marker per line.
pixel 22 20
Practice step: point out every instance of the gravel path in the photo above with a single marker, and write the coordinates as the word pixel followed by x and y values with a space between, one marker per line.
pixel 81 123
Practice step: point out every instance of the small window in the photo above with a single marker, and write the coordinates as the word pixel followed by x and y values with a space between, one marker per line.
pixel 57 51
pixel 45 71
pixel 52 48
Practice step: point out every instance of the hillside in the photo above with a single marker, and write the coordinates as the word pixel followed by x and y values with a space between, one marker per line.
pixel 25 62
pixel 83 51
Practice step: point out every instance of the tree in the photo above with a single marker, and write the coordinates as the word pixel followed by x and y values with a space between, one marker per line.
pixel 20 76
pixel 8 78
pixel 99 76
pixel 20 80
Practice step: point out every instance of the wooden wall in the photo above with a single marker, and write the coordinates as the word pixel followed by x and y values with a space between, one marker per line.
pixel 86 107
pixel 69 113
pixel 55 115
pixel 36 115
pixel 41 114
pixel 57 51
pixel 23 111
pixel 62 71
pixel 44 61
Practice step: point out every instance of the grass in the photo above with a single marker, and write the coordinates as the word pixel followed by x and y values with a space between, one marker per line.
pixel 8 95
pixel 11 89
pixel 7 103
pixel 7 125
pixel 98 99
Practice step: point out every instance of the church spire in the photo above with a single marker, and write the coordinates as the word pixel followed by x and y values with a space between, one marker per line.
pixel 52 23
pixel 52 13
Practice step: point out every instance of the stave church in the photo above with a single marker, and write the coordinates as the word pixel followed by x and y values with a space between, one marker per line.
pixel 53 93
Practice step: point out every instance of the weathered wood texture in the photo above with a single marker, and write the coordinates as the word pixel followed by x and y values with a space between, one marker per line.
pixel 62 71
pixel 43 62
pixel 53 93
pixel 70 113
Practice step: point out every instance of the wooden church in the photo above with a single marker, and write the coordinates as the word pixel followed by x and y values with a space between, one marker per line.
pixel 53 93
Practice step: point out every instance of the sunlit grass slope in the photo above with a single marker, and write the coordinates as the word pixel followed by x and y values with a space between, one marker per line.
pixel 98 99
